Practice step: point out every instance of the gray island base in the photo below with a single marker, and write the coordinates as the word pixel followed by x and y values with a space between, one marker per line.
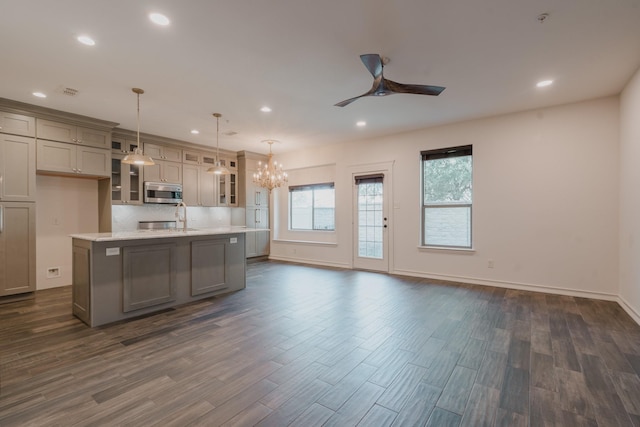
pixel 121 276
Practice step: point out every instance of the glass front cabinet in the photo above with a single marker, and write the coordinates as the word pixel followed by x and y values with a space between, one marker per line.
pixel 126 182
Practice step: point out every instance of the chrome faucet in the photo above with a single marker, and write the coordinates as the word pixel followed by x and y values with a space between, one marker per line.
pixel 183 219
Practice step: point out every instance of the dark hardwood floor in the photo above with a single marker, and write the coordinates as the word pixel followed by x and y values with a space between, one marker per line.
pixel 306 346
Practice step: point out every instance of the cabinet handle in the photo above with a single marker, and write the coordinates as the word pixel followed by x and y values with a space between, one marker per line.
pixel 257 198
pixel 257 216
pixel 1 219
pixel 79 170
pixel 1 185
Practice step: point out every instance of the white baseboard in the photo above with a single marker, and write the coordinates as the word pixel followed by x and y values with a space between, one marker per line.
pixel 511 285
pixel 309 261
pixel 629 309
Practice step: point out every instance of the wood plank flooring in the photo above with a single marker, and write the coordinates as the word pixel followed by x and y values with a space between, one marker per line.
pixel 308 346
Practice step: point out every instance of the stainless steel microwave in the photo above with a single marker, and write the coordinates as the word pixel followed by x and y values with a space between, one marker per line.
pixel 160 192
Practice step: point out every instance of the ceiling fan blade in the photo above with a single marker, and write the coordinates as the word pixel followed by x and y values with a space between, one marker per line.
pixel 373 62
pixel 349 101
pixel 414 89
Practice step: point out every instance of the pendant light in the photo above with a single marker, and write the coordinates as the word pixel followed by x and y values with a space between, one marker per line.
pixel 217 168
pixel 137 157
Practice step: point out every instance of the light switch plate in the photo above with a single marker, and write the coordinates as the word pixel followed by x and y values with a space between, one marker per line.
pixel 233 240
pixel 113 251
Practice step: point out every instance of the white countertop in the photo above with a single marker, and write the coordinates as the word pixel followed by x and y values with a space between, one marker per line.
pixel 160 234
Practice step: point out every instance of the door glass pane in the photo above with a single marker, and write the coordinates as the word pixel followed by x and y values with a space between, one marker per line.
pixel 134 183
pixel 116 179
pixel 370 216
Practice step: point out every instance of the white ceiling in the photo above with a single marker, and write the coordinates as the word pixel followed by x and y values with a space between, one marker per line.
pixel 301 57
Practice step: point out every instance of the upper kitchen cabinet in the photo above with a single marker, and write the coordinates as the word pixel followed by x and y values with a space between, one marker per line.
pixel 163 152
pixel 164 171
pixel 250 194
pixel 123 145
pixel 17 124
pixel 126 182
pixel 64 132
pixel 70 159
pixel 198 186
pixel 17 169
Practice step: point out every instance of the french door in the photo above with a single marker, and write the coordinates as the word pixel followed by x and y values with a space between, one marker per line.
pixel 371 220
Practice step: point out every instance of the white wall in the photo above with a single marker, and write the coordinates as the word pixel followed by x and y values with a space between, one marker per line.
pixel 630 197
pixel 63 206
pixel 545 200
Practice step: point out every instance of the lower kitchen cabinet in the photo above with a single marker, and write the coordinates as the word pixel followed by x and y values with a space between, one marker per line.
pixel 149 275
pixel 257 243
pixel 17 248
pixel 117 279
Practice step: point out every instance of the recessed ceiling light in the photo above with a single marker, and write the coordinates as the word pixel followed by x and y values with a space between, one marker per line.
pixel 361 123
pixel 39 94
pixel 86 40
pixel 159 19
pixel 544 83
pixel 265 109
pixel 195 131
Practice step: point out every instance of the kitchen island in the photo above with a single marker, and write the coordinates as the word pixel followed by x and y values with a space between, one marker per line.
pixel 118 276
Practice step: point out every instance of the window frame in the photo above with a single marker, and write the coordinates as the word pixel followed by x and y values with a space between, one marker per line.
pixel 312 187
pixel 442 153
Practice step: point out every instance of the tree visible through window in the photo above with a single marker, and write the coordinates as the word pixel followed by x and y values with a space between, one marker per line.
pixel 447 197
pixel 312 207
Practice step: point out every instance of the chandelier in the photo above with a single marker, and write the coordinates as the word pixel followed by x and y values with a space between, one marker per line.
pixel 270 175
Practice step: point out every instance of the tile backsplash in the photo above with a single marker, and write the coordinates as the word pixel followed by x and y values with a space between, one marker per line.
pixel 125 218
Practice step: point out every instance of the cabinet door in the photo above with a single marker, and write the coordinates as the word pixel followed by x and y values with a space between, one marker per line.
pixel 81 291
pixel 232 189
pixel 207 187
pixel 55 157
pixel 262 218
pixel 262 242
pixel 93 161
pixel 172 154
pixel 152 150
pixel 209 266
pixel 191 157
pixel 172 172
pixel 250 245
pixel 149 275
pixel 17 124
pixel 93 137
pixel 17 248
pixel 191 185
pixel 55 131
pixel 17 169
pixel 222 190
pixel 152 173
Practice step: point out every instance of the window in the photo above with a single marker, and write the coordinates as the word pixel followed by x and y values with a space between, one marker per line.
pixel 312 207
pixel 447 197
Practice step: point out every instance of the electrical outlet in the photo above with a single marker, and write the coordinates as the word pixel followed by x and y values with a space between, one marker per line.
pixel 53 272
pixel 490 263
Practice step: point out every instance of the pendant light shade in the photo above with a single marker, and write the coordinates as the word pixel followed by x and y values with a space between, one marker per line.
pixel 217 168
pixel 137 157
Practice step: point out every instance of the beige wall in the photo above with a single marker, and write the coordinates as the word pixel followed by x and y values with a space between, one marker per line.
pixel 64 206
pixel 545 200
pixel 630 197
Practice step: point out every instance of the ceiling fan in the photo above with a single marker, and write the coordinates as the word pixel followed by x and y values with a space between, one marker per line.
pixel 381 86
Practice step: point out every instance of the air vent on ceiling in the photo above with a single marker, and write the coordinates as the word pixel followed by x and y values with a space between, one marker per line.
pixel 230 133
pixel 69 91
